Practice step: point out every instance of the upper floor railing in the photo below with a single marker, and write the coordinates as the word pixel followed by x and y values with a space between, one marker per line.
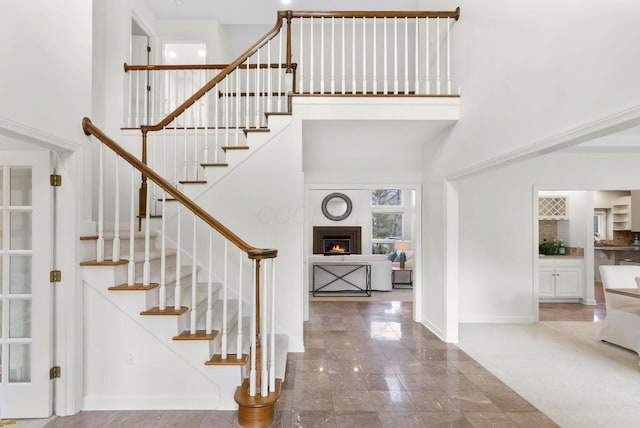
pixel 344 53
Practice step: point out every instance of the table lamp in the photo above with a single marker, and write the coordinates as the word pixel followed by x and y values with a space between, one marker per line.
pixel 403 246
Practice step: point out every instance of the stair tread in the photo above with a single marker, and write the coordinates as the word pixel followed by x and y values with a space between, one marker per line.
pixel 124 234
pixel 199 335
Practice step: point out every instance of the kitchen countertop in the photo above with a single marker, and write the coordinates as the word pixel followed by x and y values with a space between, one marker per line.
pixel 556 256
pixel 617 248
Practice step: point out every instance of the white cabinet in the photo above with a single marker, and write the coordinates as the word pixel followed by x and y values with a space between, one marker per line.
pixel 553 208
pixel 560 279
pixel 621 212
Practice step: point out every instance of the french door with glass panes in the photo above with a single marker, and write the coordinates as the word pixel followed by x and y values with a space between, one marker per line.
pixel 25 290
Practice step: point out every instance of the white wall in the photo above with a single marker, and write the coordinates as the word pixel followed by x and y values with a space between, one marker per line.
pixel 498 246
pixel 265 209
pixel 239 38
pixel 527 75
pixel 606 199
pixel 46 77
pixel 207 31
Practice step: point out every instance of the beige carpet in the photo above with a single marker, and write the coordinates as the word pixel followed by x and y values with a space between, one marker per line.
pixel 397 295
pixel 562 368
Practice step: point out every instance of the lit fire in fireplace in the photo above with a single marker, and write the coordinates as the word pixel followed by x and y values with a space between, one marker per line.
pixel 338 249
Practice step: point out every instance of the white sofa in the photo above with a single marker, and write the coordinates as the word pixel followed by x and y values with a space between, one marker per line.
pixel 622 323
pixel 380 270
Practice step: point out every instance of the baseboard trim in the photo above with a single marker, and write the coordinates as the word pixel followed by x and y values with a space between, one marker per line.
pixel 211 402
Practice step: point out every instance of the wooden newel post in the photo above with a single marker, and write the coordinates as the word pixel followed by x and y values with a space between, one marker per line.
pixel 258 349
pixel 289 62
pixel 142 193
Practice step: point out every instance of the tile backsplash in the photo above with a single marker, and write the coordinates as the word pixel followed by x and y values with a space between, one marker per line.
pixel 547 231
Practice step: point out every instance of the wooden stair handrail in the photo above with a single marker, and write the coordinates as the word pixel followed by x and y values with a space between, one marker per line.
pixel 213 82
pixel 289 14
pixel 128 67
pixel 254 253
pixel 455 14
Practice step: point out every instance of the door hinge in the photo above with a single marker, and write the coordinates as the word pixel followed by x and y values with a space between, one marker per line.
pixel 55 372
pixel 55 180
pixel 55 276
pixel 148 48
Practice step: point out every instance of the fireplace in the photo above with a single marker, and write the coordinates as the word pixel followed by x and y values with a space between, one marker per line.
pixel 337 240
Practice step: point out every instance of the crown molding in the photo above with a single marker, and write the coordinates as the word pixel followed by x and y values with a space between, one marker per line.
pixel 36 137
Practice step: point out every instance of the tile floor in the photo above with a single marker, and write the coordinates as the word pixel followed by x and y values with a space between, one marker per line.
pixel 367 364
pixel 575 312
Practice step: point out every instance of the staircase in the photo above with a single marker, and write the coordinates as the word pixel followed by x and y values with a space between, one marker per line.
pixel 171 327
pixel 174 280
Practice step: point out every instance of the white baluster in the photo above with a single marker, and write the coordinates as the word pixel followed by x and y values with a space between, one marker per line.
pixel 353 55
pixel 225 283
pixel 206 128
pixel 416 59
pixel 252 372
pixel 344 65
pixel 257 98
pixel 237 97
pixel 185 149
pixel 226 111
pixel 100 241
pixel 364 55
pixel 269 83
pixel 145 107
pixel 272 368
pixel 385 85
pixel 152 186
pixel 264 329
pixel 311 57
pixel 146 266
pixel 216 144
pixel 375 55
pixel 247 104
pixel 195 143
pixel 448 55
pixel 239 338
pixel 177 299
pixel 333 56
pixel 406 55
pixel 280 75
pixel 438 55
pixel 162 292
pixel 301 64
pixel 138 95
pixel 162 304
pixel 427 60
pixel 116 215
pixel 194 280
pixel 210 285
pixel 322 55
pixel 175 153
pixel 131 271
pixel 128 110
pixel 395 55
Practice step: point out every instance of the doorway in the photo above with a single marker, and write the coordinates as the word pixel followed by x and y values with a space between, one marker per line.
pixel 25 293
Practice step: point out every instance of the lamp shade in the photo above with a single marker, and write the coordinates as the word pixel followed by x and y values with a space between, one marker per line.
pixel 403 245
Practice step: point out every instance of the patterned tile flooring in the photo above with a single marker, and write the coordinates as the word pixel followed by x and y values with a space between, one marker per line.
pixel 367 364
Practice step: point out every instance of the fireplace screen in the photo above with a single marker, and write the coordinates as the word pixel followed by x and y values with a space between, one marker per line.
pixel 337 245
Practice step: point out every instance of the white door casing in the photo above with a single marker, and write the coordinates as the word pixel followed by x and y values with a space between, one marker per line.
pixel 25 290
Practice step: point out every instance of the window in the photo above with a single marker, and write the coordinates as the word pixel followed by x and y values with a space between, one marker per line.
pixel 599 224
pixel 385 197
pixel 387 216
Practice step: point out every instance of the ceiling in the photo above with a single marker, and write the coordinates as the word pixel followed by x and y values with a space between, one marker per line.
pixel 261 11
